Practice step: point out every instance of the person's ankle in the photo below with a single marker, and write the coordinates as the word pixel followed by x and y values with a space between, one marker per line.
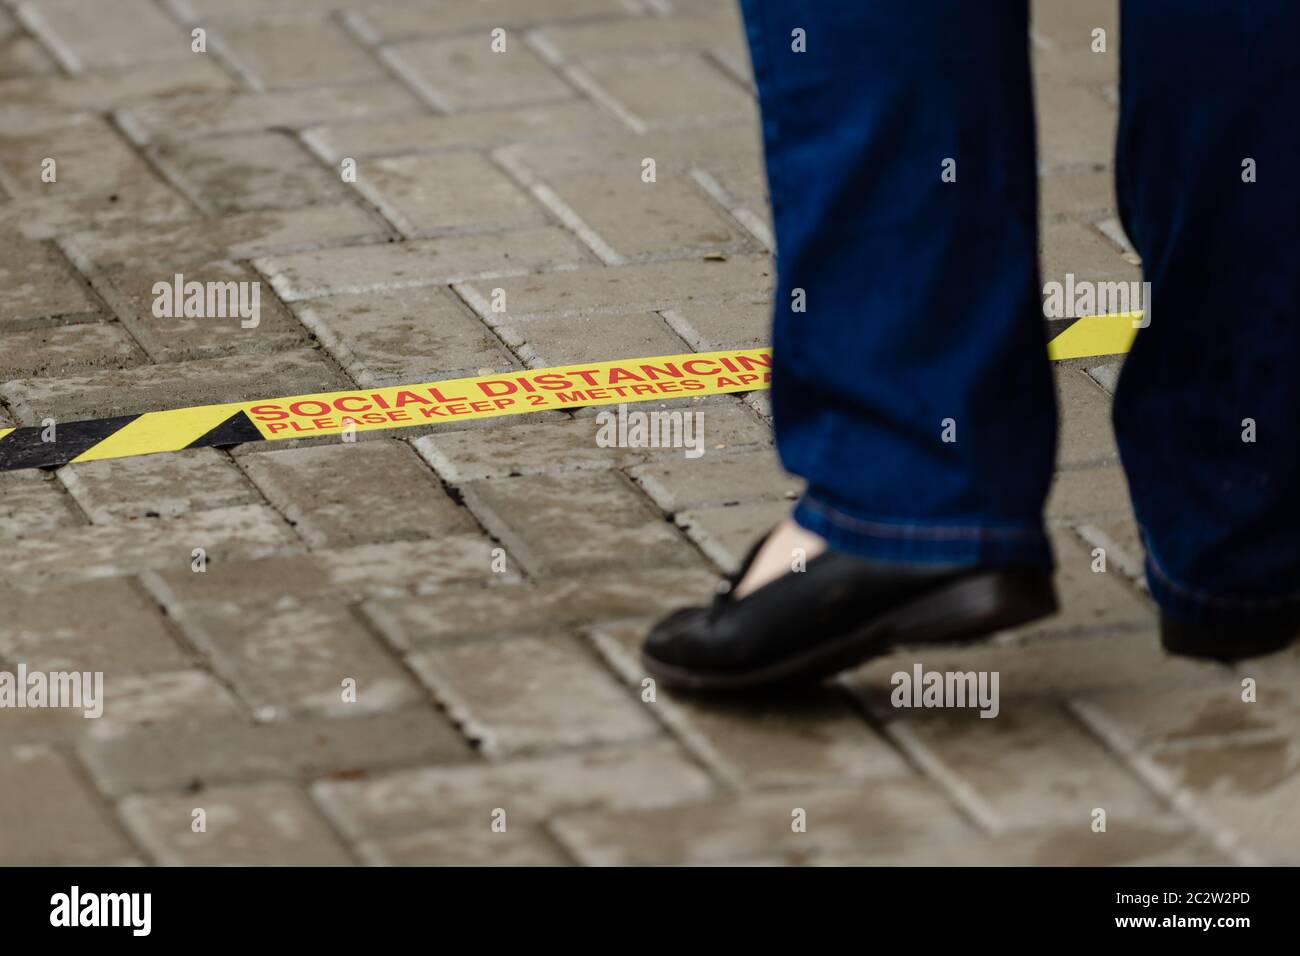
pixel 788 547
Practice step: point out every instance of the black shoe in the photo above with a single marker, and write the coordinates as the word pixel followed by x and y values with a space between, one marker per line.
pixel 837 613
pixel 1250 635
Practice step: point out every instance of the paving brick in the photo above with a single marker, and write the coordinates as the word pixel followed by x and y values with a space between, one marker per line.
pixel 452 615
pixel 351 574
pixel 1091 600
pixel 1089 194
pixel 808 737
pixel 214 114
pixel 1071 59
pixel 1086 431
pixel 672 90
pixel 638 219
pixel 33 502
pixel 569 340
pixel 727 533
pixel 531 693
pixel 21 55
pixel 736 828
pixel 418 133
pixel 232 237
pixel 615 39
pixel 467 845
pixel 284 53
pixel 269 824
pixel 249 171
pixel 23 121
pixel 1070 24
pixel 399 21
pixel 528 789
pixel 293 662
pixel 248 531
pixel 556 447
pixel 446 192
pixel 67 348
pixel 729 151
pixel 1250 789
pixel 50 815
pixel 198 753
pixel 1200 713
pixel 1069 247
pixel 403 336
pixel 111 33
pixel 102 90
pixel 1076 126
pixel 715 480
pixel 328 493
pixel 192 11
pixel 613 526
pixel 128 699
pixel 161 697
pixel 130 294
pixel 46 725
pixel 163 485
pixel 639 287
pixel 1030 766
pixel 156 387
pixel 99 179
pixel 1113 230
pixel 420 263
pixel 724 325
pixel 90 157
pixel 735 60
pixel 46 628
pixel 140 202
pixel 1106 375
pixel 463 73
pixel 1088 494
pixel 36 282
pixel 1151 841
pixel 1122 542
pixel 1046 670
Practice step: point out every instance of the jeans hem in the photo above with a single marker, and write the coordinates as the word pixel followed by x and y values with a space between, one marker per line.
pixel 1184 601
pixel 901 540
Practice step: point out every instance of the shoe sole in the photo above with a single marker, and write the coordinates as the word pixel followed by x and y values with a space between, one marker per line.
pixel 1223 652
pixel 965 611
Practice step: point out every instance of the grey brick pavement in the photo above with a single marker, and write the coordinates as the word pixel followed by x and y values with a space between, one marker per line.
pixel 482 587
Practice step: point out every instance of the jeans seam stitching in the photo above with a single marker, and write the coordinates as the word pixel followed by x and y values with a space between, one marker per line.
pixel 1200 597
pixel 913 531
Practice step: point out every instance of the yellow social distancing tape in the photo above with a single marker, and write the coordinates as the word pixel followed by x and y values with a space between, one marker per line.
pixel 160 431
pixel 1095 335
pixel 513 393
pixel 461 399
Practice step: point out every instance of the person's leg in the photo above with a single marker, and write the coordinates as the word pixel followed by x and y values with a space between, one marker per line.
pixel 1207 413
pixel 910 383
pixel 911 387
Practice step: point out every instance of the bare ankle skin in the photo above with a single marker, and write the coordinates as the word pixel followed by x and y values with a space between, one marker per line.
pixel 787 548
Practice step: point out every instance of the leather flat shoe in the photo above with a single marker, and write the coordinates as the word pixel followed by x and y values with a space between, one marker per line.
pixel 1231 640
pixel 838 612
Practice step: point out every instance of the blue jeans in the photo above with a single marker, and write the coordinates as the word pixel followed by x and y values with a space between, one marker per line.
pixel 911 387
